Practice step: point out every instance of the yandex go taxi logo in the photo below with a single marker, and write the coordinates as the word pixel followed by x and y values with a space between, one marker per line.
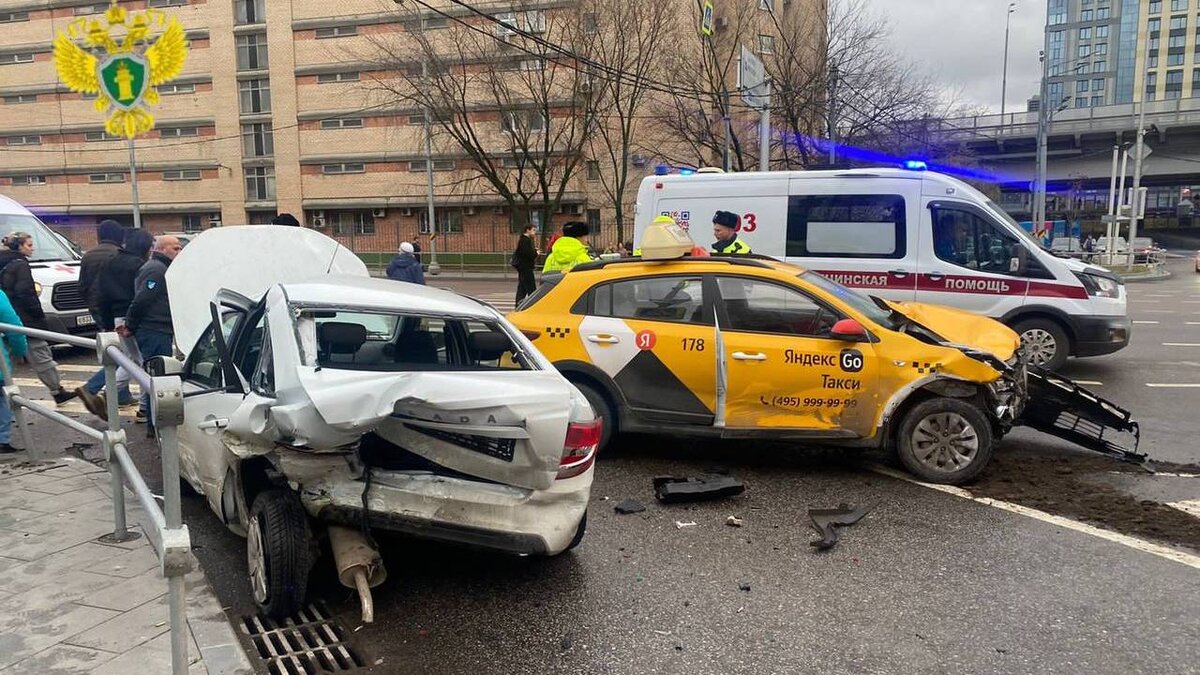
pixel 851 360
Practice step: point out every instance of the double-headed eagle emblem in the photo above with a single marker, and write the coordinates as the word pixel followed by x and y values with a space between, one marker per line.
pixel 124 70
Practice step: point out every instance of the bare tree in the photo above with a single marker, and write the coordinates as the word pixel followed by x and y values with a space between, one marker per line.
pixel 624 40
pixel 505 91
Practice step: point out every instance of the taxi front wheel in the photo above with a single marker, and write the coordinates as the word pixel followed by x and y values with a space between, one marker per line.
pixel 945 440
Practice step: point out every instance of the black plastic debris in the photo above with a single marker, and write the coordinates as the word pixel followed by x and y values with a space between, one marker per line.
pixel 673 490
pixel 827 522
pixel 629 506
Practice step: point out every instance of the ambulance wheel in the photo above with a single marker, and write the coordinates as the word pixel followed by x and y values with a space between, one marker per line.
pixel 945 440
pixel 278 552
pixel 1045 342
pixel 603 409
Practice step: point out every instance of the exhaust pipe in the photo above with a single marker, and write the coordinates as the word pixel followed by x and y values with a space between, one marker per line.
pixel 358 565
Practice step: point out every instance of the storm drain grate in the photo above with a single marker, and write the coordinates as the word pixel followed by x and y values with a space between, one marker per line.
pixel 309 642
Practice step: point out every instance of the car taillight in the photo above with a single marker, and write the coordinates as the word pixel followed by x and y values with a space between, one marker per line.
pixel 579 449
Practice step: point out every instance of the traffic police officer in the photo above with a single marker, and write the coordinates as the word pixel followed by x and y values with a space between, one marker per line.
pixel 725 226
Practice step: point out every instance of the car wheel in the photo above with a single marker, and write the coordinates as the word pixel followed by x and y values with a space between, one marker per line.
pixel 579 532
pixel 603 408
pixel 945 440
pixel 1046 344
pixel 278 552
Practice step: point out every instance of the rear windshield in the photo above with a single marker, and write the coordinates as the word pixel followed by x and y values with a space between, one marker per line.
pixel 46 246
pixel 548 283
pixel 378 341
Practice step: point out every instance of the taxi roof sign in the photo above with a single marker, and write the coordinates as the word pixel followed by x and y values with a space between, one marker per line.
pixel 665 240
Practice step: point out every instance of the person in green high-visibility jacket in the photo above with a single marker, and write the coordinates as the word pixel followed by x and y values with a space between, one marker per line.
pixel 725 229
pixel 568 251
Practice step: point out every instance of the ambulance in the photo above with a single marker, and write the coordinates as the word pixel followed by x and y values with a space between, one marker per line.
pixel 55 266
pixel 908 235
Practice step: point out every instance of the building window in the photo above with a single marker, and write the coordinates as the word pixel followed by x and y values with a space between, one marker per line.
pixel 17 57
pixel 90 9
pixel 1155 7
pixel 1103 13
pixel 192 222
pixel 448 221
pixel 1101 49
pixel 1196 82
pixel 1098 84
pixel 1179 5
pixel 23 140
pixel 20 98
pixel 168 3
pixel 336 31
pixel 348 123
pixel 1097 101
pixel 438 165
pixel 766 44
pixel 766 5
pixel 1085 33
pixel 1154 26
pixel 528 121
pixel 591 23
pixel 1151 85
pixel 593 220
pixel 106 178
pixel 1056 37
pixel 251 51
pixel 1153 44
pixel 13 17
pixel 1081 102
pixel 1152 60
pixel 260 182
pixel 93 136
pixel 249 11
pixel 168 89
pixel 1057 19
pixel 1174 87
pixel 254 96
pixel 335 169
pixel 28 180
pixel 1081 86
pixel 181 174
pixel 1084 51
pixel 593 170
pixel 260 217
pixel 1174 59
pixel 1085 15
pixel 1083 68
pixel 328 78
pixel 1100 66
pixel 1101 32
pixel 1178 23
pixel 179 132
pixel 258 140
pixel 350 222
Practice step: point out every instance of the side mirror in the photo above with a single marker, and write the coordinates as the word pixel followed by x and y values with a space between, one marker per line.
pixel 1019 263
pixel 848 330
pixel 161 366
pixel 490 345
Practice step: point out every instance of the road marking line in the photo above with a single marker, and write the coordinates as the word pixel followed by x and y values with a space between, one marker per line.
pixel 1173 385
pixel 1160 475
pixel 1192 323
pixel 1190 507
pixel 1146 322
pixel 1117 538
pixel 1145 301
pixel 1190 302
pixel 1181 344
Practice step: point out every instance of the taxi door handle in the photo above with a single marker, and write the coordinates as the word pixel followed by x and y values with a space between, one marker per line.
pixel 936 276
pixel 743 356
pixel 604 339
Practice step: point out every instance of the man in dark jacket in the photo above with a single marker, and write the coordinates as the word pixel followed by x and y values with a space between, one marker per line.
pixel 116 286
pixel 111 236
pixel 149 315
pixel 525 259
pixel 405 266
pixel 16 279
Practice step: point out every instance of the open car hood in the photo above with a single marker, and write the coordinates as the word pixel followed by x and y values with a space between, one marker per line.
pixel 248 259
pixel 963 328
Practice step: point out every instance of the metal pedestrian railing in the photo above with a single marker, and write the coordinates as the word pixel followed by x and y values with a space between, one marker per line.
pixel 166 531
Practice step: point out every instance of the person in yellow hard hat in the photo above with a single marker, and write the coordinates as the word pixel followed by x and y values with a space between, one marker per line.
pixel 725 227
pixel 568 251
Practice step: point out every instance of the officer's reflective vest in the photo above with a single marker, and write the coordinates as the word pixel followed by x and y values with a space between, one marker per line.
pixel 735 246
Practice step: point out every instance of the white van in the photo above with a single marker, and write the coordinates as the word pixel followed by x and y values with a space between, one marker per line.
pixel 55 266
pixel 908 236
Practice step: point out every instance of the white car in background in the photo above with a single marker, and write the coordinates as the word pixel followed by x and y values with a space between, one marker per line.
pixel 313 392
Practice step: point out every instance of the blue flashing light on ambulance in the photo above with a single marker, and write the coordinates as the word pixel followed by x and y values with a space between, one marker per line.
pixel 910 235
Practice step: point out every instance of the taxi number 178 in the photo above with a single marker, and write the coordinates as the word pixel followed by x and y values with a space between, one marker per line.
pixel 693 344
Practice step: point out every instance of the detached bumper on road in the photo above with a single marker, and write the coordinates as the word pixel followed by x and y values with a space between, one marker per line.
pixel 1096 335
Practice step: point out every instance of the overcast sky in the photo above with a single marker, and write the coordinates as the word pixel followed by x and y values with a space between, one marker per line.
pixel 961 43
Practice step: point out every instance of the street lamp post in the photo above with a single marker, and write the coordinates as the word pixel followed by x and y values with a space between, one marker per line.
pixel 1012 7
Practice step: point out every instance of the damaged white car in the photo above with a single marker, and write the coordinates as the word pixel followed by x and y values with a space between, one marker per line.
pixel 315 394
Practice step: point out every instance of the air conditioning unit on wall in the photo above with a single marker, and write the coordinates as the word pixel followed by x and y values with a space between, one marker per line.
pixel 214 219
pixel 379 213
pixel 407 212
pixel 469 211
pixel 318 219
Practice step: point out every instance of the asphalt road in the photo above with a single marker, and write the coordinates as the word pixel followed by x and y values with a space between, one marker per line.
pixel 927 582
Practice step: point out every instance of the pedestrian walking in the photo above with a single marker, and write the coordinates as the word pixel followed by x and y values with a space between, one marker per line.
pixel 1089 247
pixel 405 266
pixel 524 259
pixel 16 280
pixel 14 345
pixel 725 229
pixel 111 235
pixel 149 316
pixel 116 293
pixel 568 250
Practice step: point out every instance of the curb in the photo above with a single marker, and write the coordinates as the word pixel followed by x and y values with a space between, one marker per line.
pixel 1146 277
pixel 220 649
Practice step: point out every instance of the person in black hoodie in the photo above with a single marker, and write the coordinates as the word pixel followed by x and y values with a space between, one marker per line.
pixel 111 235
pixel 149 316
pixel 16 279
pixel 115 290
pixel 525 259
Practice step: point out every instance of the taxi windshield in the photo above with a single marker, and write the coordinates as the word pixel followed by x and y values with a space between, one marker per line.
pixel 861 303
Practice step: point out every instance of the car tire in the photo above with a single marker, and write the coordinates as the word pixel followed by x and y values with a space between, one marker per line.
pixel 278 552
pixel 1045 343
pixel 945 440
pixel 603 408
pixel 579 532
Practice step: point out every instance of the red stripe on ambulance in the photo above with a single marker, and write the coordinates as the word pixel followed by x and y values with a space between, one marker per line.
pixel 954 284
